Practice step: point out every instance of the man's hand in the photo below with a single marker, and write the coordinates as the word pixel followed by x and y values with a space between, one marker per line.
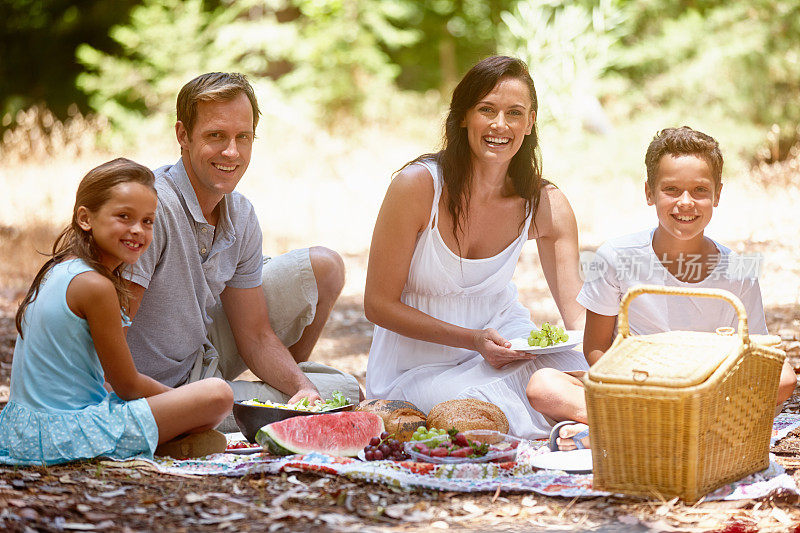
pixel 309 392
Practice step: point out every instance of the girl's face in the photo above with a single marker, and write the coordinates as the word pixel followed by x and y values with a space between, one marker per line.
pixel 122 227
pixel 498 123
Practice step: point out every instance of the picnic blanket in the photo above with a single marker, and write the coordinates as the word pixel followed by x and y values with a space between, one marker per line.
pixel 470 477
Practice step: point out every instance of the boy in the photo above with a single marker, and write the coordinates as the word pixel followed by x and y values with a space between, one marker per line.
pixel 684 181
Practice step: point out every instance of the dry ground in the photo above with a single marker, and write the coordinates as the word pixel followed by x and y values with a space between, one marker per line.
pixel 92 496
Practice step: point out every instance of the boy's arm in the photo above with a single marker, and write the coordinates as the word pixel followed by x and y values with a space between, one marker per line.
pixel 598 335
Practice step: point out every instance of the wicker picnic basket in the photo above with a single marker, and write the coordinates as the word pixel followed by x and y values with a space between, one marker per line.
pixel 681 413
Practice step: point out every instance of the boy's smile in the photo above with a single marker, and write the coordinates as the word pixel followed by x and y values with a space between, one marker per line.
pixel 685 196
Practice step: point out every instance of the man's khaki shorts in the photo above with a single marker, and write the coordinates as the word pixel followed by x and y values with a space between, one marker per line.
pixel 291 292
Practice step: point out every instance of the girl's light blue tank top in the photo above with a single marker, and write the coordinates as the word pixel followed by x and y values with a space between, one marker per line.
pixel 55 365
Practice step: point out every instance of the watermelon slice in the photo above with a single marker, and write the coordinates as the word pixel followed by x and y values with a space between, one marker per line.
pixel 340 434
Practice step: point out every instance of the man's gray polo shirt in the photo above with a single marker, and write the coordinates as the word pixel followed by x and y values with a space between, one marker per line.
pixel 184 271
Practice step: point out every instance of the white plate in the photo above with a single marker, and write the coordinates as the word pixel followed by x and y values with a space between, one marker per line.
pixel 575 461
pixel 238 437
pixel 521 343
pixel 245 451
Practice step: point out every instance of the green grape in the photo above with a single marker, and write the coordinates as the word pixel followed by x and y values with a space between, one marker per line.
pixel 548 335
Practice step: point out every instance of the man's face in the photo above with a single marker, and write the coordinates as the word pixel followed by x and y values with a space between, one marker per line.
pixel 217 151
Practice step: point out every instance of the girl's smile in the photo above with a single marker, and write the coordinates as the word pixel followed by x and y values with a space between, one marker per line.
pixel 123 226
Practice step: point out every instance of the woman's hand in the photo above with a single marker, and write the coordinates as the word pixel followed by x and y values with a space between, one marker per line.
pixel 495 349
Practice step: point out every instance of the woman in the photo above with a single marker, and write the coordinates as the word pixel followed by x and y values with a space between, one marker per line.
pixel 444 249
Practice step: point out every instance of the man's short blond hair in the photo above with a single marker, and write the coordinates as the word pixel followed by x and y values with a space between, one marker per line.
pixel 214 87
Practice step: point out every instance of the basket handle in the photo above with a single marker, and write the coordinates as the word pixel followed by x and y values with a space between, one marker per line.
pixel 623 326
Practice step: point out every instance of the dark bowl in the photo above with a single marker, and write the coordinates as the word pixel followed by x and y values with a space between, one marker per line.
pixel 251 418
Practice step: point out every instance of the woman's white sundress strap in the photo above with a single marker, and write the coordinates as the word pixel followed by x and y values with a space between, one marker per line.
pixel 433 168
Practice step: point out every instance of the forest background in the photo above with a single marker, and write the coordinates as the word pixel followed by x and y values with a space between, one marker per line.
pixel 352 89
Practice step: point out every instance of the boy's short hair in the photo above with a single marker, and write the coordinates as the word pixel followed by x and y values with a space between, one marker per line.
pixel 215 87
pixel 683 141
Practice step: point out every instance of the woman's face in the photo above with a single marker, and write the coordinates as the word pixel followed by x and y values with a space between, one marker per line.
pixel 498 123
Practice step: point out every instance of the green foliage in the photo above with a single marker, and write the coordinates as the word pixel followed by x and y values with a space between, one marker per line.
pixel 165 44
pixel 333 51
pixel 738 58
pixel 568 48
pixel 37 47
pixel 452 35
pixel 338 53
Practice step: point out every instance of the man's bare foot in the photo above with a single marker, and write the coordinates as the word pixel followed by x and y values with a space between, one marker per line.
pixel 567 434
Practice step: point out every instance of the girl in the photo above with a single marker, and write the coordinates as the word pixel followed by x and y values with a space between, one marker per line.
pixel 446 244
pixel 71 341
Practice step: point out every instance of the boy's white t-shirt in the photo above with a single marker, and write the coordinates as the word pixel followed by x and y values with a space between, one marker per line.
pixel 627 261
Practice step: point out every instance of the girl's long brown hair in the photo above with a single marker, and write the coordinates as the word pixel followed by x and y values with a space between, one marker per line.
pixel 454 159
pixel 94 190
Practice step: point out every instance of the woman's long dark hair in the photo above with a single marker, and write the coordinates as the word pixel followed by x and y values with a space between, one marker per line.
pixel 455 162
pixel 94 190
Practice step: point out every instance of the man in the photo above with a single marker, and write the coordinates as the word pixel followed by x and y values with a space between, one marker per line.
pixel 206 303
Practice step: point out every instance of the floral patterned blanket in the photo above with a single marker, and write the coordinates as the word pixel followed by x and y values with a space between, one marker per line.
pixel 471 477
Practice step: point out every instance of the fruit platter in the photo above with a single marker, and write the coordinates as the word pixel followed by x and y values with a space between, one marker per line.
pixel 243 448
pixel 252 415
pixel 548 339
pixel 454 447
pixel 384 446
pixel 336 401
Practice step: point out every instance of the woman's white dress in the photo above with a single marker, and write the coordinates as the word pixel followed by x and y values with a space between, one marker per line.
pixel 475 294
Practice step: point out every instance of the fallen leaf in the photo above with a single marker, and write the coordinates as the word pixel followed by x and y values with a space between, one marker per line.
pixel 75 526
pixel 28 514
pixel 209 520
pixel 335 519
pixel 293 479
pixel 666 507
pixel 193 497
pixel 407 512
pixel 781 516
pixel 471 508
pixel 114 493
pixel 628 519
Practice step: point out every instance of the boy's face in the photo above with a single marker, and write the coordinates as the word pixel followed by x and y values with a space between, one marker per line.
pixel 684 195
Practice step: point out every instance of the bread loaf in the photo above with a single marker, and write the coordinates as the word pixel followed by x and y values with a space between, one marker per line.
pixel 467 414
pixel 400 418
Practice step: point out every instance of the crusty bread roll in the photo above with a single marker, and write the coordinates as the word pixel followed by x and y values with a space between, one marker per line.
pixel 467 414
pixel 400 418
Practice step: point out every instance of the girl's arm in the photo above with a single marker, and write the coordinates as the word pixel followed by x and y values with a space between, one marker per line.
pixel 556 234
pixel 403 215
pixel 93 297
